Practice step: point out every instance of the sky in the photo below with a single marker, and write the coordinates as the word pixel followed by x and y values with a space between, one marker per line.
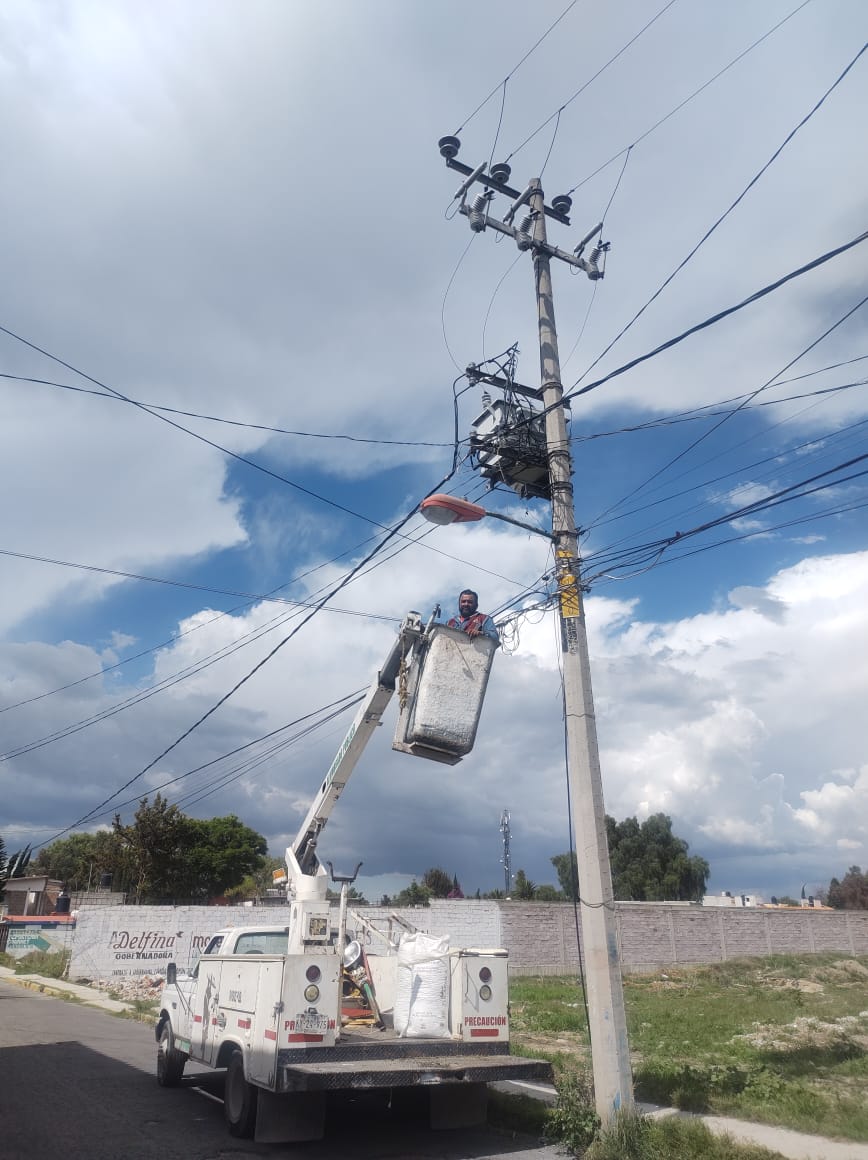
pixel 237 307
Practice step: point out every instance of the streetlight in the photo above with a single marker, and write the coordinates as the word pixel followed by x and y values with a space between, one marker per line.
pixel 448 509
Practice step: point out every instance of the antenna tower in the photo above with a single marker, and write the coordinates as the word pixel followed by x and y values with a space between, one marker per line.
pixel 507 861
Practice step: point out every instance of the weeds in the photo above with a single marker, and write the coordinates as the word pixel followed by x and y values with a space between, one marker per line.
pixel 49 964
pixel 573 1120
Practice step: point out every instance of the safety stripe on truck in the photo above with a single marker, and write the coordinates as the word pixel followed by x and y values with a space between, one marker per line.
pixel 245 1023
pixel 197 1018
pixel 484 1033
pixel 271 1035
pixel 304 1037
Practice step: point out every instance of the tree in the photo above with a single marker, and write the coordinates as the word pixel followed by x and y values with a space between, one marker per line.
pixel 547 893
pixel 649 863
pixel 413 895
pixel 353 895
pixel 522 887
pixel 13 866
pixel 78 860
pixel 437 882
pixel 164 854
pixel 851 893
pixel 255 885
pixel 223 852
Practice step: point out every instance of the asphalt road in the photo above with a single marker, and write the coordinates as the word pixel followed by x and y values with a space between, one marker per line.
pixel 79 1084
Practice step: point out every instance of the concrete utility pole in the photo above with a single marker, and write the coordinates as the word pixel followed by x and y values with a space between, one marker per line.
pixel 610 1054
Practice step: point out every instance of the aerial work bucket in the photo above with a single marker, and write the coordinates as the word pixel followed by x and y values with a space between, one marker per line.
pixel 445 688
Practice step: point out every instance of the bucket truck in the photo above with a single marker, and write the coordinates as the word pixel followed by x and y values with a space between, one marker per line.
pixel 268 1003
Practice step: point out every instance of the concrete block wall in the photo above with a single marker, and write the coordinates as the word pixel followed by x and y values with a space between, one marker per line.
pixel 541 938
pixel 129 941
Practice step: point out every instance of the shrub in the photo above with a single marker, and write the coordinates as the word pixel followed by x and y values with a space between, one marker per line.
pixel 573 1120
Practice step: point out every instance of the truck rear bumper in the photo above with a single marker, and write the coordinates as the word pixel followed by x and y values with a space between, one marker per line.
pixel 415 1071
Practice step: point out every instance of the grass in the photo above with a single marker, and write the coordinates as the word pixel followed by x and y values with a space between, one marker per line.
pixel 782 1040
pixel 49 964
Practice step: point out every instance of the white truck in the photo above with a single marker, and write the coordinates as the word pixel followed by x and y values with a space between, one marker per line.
pixel 269 1003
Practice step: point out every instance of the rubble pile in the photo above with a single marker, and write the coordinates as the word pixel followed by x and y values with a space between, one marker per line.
pixel 144 987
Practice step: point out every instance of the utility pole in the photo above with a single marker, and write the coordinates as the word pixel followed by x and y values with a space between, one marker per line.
pixel 610 1054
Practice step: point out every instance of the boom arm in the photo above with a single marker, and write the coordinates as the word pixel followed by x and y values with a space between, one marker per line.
pixel 301 857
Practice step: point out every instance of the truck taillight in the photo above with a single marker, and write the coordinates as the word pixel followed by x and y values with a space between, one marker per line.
pixel 485 992
pixel 485 975
pixel 312 974
pixel 311 993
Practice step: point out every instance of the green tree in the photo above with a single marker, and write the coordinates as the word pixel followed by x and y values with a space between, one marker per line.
pixel 223 852
pixel 413 895
pixel 437 882
pixel 649 863
pixel 851 893
pixel 547 893
pixel 78 860
pixel 522 887
pixel 166 855
pixel 255 885
pixel 12 866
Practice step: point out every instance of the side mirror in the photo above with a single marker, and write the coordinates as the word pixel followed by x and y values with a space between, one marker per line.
pixel 171 974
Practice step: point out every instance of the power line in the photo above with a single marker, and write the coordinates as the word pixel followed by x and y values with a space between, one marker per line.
pixel 271 430
pixel 804 121
pixel 719 317
pixel 726 417
pixel 515 68
pixel 598 73
pixel 690 97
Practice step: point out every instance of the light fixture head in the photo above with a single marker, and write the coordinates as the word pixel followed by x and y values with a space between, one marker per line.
pixel 448 509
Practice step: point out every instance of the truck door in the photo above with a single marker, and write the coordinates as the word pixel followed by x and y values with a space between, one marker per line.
pixel 205 1005
pixel 263 1022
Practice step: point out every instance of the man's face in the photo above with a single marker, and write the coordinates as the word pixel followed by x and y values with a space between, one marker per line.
pixel 467 604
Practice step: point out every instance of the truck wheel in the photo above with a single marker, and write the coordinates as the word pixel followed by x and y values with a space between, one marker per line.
pixel 239 1099
pixel 170 1061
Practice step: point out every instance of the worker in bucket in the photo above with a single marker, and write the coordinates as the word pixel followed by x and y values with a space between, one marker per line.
pixel 471 621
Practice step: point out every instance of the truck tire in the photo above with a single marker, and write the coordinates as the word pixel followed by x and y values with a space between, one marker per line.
pixel 239 1100
pixel 170 1061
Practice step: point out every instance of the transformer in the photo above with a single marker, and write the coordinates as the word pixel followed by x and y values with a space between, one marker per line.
pixel 508 445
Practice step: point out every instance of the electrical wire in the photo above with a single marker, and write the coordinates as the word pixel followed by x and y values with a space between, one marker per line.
pixel 713 319
pixel 272 430
pixel 690 97
pixel 591 79
pixel 753 181
pixel 514 70
pixel 735 410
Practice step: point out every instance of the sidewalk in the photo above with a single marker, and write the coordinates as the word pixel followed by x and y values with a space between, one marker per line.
pixel 793 1145
pixel 63 989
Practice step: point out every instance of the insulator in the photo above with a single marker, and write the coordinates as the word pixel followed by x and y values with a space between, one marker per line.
pixel 500 171
pixel 562 203
pixel 523 238
pixel 449 147
pixel 476 213
pixel 486 399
